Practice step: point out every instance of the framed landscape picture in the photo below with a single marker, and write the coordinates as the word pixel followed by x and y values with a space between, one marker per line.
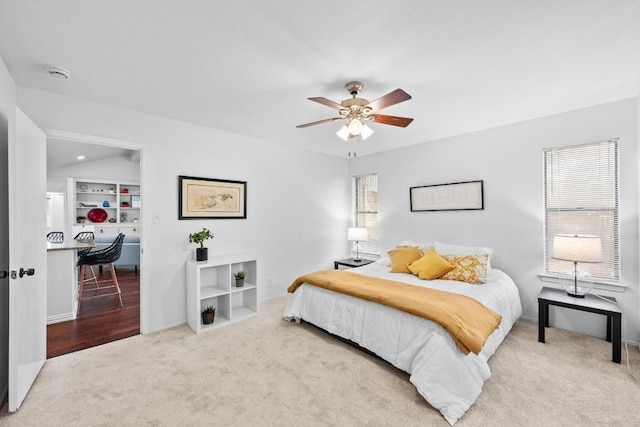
pixel 202 198
pixel 447 197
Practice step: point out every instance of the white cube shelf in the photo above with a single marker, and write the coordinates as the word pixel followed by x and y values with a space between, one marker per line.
pixel 212 282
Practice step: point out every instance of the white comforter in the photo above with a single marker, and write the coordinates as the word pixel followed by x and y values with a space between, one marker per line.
pixel 448 379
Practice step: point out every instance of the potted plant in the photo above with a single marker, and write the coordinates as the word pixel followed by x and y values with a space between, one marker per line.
pixel 80 219
pixel 200 237
pixel 239 275
pixel 208 315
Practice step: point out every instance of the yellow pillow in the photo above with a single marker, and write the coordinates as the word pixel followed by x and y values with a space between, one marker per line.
pixel 400 257
pixel 430 266
pixel 468 268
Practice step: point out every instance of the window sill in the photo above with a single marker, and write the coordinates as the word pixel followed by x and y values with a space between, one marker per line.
pixel 597 284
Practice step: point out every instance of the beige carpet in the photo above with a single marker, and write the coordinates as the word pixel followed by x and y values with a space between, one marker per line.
pixel 265 371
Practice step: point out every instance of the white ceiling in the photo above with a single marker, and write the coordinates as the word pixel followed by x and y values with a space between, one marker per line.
pixel 62 153
pixel 248 66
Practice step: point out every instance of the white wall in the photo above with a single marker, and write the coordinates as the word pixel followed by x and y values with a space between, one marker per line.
pixel 297 208
pixel 509 160
pixel 55 212
pixel 109 169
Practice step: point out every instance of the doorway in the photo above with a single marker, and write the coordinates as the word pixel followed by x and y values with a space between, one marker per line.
pixel 101 320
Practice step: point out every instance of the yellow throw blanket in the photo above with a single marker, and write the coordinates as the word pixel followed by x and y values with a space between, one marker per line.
pixel 466 319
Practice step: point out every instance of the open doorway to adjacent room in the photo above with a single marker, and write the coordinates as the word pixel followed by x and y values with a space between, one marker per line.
pixel 79 176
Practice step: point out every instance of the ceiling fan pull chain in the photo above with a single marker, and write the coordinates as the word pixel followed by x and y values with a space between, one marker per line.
pixel 352 140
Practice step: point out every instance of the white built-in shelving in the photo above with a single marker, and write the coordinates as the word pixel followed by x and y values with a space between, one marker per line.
pixel 119 199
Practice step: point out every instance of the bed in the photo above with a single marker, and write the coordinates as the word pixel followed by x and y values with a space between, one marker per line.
pixel 446 377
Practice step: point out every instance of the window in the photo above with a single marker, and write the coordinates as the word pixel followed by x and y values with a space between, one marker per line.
pixel 365 201
pixel 581 196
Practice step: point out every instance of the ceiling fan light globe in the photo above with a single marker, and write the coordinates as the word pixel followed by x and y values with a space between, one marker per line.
pixel 343 133
pixel 355 127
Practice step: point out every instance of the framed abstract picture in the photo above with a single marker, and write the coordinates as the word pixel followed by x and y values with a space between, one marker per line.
pixel 209 198
pixel 447 197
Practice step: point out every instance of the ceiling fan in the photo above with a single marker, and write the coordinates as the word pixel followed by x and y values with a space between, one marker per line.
pixel 356 111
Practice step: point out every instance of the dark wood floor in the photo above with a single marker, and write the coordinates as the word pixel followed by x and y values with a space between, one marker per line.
pixel 101 320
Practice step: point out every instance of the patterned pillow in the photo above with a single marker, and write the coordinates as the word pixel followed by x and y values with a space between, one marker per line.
pixel 468 268
pixel 449 249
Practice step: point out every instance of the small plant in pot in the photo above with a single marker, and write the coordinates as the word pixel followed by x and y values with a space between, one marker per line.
pixel 239 275
pixel 200 237
pixel 208 315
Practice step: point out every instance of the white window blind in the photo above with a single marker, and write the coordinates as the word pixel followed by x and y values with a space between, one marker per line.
pixel 365 201
pixel 581 196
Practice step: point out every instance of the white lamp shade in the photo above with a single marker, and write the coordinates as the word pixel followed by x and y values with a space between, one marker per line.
pixel 357 234
pixel 343 133
pixel 366 132
pixel 577 248
pixel 352 131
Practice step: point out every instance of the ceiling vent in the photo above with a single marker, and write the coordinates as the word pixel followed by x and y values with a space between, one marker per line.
pixel 58 72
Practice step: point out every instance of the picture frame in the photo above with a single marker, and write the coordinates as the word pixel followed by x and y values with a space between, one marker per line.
pixel 455 196
pixel 210 198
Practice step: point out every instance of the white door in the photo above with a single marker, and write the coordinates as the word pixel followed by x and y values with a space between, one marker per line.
pixel 27 257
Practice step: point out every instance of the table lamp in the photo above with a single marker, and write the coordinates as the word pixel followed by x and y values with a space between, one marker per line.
pixel 357 234
pixel 577 248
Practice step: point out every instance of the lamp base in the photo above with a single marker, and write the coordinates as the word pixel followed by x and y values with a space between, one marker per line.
pixel 580 285
pixel 571 294
pixel 357 260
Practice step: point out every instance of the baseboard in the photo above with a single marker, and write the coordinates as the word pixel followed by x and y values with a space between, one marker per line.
pixel 60 318
pixel 272 297
pixel 529 319
pixel 624 339
pixel 167 326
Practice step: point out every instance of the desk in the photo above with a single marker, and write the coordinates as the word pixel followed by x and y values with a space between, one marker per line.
pixel 62 279
pixel 591 304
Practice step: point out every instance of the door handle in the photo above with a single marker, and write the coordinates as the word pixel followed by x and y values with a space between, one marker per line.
pixel 28 272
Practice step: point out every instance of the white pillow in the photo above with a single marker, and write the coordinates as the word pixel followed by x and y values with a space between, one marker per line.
pixel 425 246
pixel 449 249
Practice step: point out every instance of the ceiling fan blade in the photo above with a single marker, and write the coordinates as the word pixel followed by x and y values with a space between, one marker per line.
pixel 392 120
pixel 333 119
pixel 327 102
pixel 392 98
